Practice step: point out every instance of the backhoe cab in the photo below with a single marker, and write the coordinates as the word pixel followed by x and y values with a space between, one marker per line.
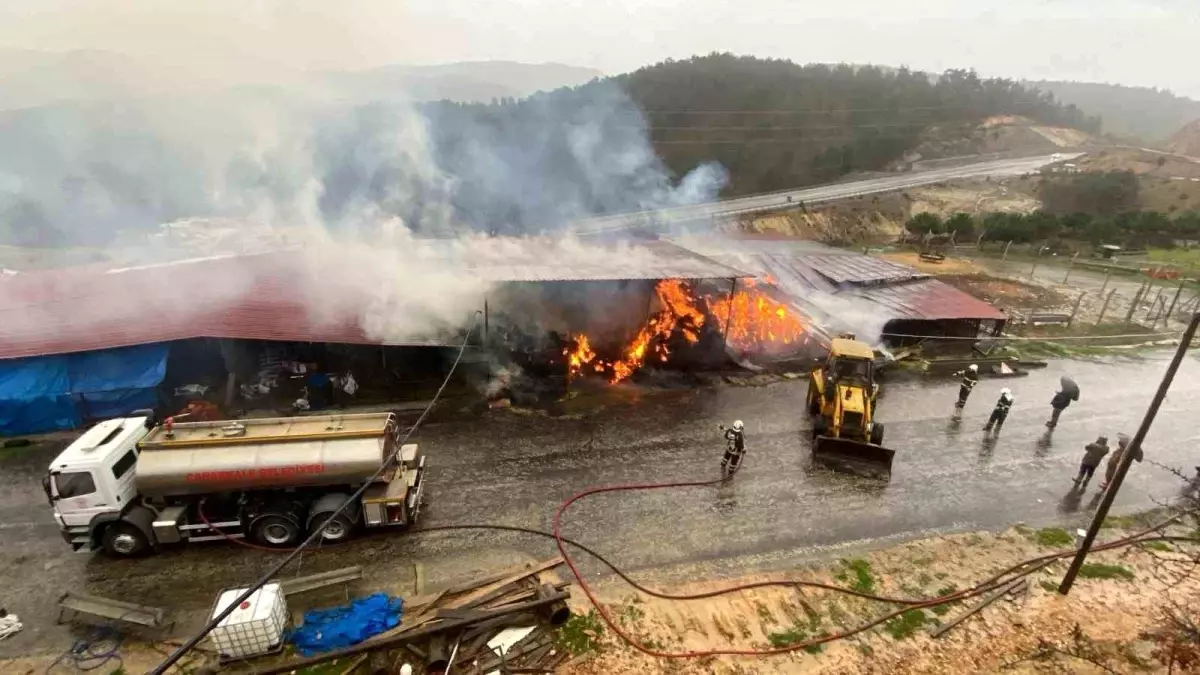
pixel 841 399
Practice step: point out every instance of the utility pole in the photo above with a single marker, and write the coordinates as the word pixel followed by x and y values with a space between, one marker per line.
pixel 1127 457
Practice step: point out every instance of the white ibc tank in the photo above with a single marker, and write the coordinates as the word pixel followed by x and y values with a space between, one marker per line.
pixel 254 627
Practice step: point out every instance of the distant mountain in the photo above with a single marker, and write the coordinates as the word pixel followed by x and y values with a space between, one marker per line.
pixel 1146 114
pixel 1186 141
pixel 466 82
pixel 31 78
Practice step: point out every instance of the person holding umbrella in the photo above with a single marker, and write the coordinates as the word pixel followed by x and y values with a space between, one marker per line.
pixel 1068 391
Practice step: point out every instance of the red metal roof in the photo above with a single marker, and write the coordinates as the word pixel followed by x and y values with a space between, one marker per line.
pixel 263 297
pixel 930 299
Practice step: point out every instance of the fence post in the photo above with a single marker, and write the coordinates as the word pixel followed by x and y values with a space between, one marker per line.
pixel 1107 276
pixel 1004 256
pixel 1160 306
pixel 1035 262
pixel 1178 292
pixel 1078 302
pixel 1104 307
pixel 1070 266
pixel 1133 305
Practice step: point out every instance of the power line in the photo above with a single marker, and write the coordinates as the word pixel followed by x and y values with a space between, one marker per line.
pixel 316 533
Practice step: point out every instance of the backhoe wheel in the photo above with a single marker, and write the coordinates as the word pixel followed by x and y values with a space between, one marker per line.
pixel 877 434
pixel 275 530
pixel 124 540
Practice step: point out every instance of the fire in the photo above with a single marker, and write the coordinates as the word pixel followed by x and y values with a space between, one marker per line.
pixel 753 321
pixel 756 321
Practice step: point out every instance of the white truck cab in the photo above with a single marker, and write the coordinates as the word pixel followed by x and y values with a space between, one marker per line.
pixel 92 480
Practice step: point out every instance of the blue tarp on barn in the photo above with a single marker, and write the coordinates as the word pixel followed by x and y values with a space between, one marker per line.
pixel 49 393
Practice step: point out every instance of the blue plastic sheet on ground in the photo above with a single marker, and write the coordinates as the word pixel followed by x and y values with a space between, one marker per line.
pixel 324 630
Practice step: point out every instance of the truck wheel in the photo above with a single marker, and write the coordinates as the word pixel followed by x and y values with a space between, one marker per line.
pixel 338 529
pixel 877 434
pixel 124 540
pixel 814 402
pixel 276 531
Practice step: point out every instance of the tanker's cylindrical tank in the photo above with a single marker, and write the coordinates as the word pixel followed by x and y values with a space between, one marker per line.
pixel 170 472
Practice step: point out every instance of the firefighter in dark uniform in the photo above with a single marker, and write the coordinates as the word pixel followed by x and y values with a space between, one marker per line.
pixel 970 378
pixel 735 448
pixel 1000 412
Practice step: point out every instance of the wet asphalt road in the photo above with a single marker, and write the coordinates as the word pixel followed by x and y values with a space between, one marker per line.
pixel 512 468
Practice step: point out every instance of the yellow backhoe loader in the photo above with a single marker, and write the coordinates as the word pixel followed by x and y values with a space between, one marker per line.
pixel 841 399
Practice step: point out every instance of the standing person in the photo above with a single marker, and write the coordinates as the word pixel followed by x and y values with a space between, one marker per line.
pixel 970 378
pixel 1110 469
pixel 1059 403
pixel 1000 412
pixel 1093 453
pixel 735 447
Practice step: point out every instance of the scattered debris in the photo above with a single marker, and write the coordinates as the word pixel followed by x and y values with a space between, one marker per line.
pixel 10 624
pixel 502 622
pixel 71 605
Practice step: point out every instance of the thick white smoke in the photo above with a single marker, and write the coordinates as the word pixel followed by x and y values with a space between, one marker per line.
pixel 357 189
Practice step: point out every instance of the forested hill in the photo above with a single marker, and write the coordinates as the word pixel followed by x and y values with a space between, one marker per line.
pixel 783 124
pixel 771 123
pixel 1146 114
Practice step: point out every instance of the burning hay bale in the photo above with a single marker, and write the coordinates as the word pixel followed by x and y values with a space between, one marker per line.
pixel 747 321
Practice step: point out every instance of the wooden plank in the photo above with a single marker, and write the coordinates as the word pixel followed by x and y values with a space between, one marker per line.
pixel 116 610
pixel 987 600
pixel 485 591
pixel 314 581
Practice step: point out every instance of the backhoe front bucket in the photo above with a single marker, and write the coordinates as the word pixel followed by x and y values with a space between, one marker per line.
pixel 856 457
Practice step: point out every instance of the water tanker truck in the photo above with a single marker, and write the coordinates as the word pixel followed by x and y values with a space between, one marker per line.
pixel 129 487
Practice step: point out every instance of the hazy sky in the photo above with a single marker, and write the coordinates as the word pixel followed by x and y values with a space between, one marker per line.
pixel 1141 42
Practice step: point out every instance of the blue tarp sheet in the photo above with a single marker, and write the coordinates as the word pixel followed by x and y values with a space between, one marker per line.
pixel 49 393
pixel 324 630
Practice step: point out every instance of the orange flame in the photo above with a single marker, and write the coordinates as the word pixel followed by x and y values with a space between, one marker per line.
pixel 755 321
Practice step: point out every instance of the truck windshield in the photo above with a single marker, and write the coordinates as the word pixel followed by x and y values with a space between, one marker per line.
pixel 75 484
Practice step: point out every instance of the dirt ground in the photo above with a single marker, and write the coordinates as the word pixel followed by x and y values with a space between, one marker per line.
pixel 949 266
pixel 1112 614
pixel 976 197
pixel 1009 293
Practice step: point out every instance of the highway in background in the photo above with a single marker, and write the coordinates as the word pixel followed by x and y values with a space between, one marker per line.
pixel 815 195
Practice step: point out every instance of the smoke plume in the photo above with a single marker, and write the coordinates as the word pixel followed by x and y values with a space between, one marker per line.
pixel 357 188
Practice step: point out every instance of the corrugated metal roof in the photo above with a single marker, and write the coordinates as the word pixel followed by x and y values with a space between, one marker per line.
pixel 268 297
pixel 861 270
pixel 574 259
pixel 286 297
pixel 807 271
pixel 930 299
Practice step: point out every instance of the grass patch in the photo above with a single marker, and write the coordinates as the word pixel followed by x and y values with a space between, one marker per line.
pixel 581 633
pixel 794 636
pixel 1120 522
pixel 944 607
pixel 630 614
pixel 1048 586
pixel 334 667
pixel 1105 571
pixel 857 572
pixel 1054 537
pixel 1157 546
pixel 924 579
pixel 764 614
pixel 905 625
